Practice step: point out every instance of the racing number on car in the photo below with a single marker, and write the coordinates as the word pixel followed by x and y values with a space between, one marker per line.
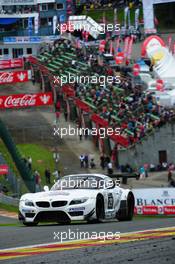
pixel 110 201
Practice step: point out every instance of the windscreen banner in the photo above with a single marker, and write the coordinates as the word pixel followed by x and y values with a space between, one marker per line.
pixel 154 201
pixel 11 63
pixel 16 101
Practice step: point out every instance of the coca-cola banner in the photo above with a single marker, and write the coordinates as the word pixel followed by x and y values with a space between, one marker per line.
pixel 25 100
pixel 11 63
pixel 14 77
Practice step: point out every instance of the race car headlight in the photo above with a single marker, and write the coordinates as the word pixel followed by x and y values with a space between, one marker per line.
pixel 29 203
pixel 78 201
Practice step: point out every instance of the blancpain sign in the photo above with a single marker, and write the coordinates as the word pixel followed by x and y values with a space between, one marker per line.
pixel 18 2
pixel 154 196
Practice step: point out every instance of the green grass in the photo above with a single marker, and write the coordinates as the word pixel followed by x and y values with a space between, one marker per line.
pixel 15 224
pixel 7 207
pixel 42 158
pixel 150 217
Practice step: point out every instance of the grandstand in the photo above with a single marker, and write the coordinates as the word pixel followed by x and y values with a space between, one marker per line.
pixel 112 105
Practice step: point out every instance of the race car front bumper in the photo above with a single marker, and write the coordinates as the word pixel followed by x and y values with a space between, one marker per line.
pixel 66 214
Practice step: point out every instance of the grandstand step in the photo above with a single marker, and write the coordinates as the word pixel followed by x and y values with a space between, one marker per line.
pixel 66 57
pixel 53 66
pixel 57 63
pixel 70 54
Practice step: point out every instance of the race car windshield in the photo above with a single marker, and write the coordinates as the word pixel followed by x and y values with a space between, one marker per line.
pixel 84 182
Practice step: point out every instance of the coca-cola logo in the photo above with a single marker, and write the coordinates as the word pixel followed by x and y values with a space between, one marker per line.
pixel 24 101
pixel 6 77
pixel 16 76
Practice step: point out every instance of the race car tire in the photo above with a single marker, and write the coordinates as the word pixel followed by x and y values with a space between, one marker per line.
pixel 30 224
pixel 126 210
pixel 100 211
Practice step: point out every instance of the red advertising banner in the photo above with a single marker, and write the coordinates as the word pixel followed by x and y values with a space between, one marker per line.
pixel 4 169
pixel 155 210
pixel 11 63
pixel 13 77
pixel 169 210
pixel 25 100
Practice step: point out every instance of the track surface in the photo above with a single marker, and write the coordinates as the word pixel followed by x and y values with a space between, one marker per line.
pixel 157 250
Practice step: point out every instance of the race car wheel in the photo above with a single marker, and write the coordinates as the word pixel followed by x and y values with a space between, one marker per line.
pixel 30 224
pixel 100 212
pixel 126 210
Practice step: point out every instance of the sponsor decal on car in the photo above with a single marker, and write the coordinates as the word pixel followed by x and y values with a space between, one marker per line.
pixel 76 209
pixel 27 210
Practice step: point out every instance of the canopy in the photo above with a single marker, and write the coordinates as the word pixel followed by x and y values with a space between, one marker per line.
pixel 8 21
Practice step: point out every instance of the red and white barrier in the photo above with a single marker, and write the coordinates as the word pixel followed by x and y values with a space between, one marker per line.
pixel 11 63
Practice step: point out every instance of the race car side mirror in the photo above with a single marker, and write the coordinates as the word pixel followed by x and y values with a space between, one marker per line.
pixel 46 188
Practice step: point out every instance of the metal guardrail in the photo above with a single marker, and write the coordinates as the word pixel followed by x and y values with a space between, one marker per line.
pixel 8 200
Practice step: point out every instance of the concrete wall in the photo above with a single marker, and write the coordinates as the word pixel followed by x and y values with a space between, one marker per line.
pixel 148 150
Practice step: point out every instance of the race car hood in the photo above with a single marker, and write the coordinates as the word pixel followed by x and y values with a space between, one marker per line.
pixel 67 195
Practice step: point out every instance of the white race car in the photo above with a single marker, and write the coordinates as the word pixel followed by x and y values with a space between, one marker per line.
pixel 90 197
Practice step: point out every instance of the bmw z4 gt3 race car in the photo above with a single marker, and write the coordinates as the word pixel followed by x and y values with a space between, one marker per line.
pixel 90 197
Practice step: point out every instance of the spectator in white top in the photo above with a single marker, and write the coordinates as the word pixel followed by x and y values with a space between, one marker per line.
pixel 81 161
pixel 110 168
pixel 29 162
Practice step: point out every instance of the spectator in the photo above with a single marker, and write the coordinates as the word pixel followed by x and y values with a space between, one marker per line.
pixel 29 161
pixel 81 158
pixel 58 106
pixel 86 160
pixel 92 164
pixel 33 80
pixel 142 172
pixel 25 160
pixel 47 176
pixel 169 176
pixel 109 168
pixel 37 181
pixel 102 162
pixel 80 134
pixel 57 115
pixel 57 175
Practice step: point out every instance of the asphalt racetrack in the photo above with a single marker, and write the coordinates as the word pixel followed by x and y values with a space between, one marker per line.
pixel 141 241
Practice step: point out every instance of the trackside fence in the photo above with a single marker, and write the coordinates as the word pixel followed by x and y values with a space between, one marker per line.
pixel 23 169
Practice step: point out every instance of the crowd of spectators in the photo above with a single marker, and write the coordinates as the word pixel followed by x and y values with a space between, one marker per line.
pixel 123 105
pixel 90 4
